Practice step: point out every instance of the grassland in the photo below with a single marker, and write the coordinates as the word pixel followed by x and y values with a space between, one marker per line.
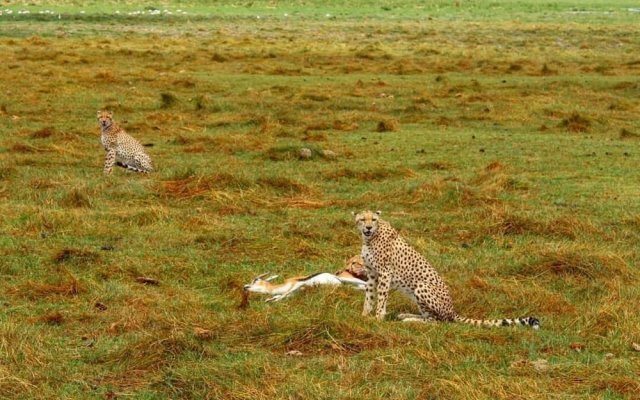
pixel 502 139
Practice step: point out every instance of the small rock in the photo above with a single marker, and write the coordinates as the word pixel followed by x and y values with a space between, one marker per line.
pixel 609 355
pixel 577 346
pixel 329 154
pixel 202 333
pixel 294 353
pixel 540 365
pixel 304 153
pixel 635 346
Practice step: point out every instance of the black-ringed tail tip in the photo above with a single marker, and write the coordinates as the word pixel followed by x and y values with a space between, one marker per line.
pixel 533 322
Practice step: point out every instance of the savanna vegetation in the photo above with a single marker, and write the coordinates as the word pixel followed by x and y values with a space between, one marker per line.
pixel 501 138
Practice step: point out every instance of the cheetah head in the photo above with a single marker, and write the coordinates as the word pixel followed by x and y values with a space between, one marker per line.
pixel 367 223
pixel 105 119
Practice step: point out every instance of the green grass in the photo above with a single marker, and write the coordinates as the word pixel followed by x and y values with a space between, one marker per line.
pixel 511 165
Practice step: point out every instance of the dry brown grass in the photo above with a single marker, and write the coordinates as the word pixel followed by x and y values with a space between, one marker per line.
pixel 576 123
pixel 40 290
pixel 514 219
pixel 192 185
pixel 580 263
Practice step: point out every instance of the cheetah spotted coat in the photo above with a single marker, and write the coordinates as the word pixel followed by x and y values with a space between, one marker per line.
pixel 121 148
pixel 392 263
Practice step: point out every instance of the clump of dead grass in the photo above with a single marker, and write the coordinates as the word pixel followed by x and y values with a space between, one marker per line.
pixel 388 125
pixel 546 71
pixel 627 134
pixel 75 256
pixel 367 175
pixel 505 222
pixel 576 123
pixel 201 102
pixel 55 318
pixel 283 185
pixel 484 188
pixel 327 337
pixel 40 290
pixel 373 52
pixel 577 262
pixel 436 165
pixel 43 133
pixel 188 184
pixel 106 77
pixel 7 172
pixel 24 148
pixel 167 100
pixel 76 198
pixel 150 353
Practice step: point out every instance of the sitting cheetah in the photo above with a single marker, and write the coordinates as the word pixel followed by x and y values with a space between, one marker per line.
pixel 121 148
pixel 392 263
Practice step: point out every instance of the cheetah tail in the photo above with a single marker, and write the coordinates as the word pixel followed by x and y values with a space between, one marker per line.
pixel 525 321
pixel 132 168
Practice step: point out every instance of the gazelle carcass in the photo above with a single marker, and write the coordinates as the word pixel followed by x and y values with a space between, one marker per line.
pixel 279 291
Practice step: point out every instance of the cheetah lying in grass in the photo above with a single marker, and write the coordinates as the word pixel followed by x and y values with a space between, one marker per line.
pixel 121 148
pixel 392 263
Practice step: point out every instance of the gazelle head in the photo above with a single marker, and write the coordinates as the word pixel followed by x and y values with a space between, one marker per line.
pixel 260 284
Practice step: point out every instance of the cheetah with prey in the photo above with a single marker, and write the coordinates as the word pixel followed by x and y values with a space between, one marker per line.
pixel 121 148
pixel 392 263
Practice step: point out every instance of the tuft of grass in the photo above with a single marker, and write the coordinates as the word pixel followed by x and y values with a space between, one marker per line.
pixel 167 100
pixel 39 291
pixel 43 133
pixel 283 185
pixel 627 134
pixel 55 318
pixel 388 125
pixel 188 184
pixel 75 256
pixel 76 198
pixel 579 263
pixel 576 123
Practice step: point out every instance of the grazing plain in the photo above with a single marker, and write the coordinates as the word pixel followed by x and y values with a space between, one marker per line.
pixel 501 139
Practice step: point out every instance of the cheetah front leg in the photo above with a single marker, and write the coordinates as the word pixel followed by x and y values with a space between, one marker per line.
pixel 109 161
pixel 369 294
pixel 382 291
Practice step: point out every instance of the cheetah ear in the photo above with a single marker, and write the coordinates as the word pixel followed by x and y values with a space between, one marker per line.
pixel 110 114
pixel 98 115
pixel 379 212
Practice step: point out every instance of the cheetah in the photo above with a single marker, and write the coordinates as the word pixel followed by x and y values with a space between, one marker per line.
pixel 392 263
pixel 122 149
